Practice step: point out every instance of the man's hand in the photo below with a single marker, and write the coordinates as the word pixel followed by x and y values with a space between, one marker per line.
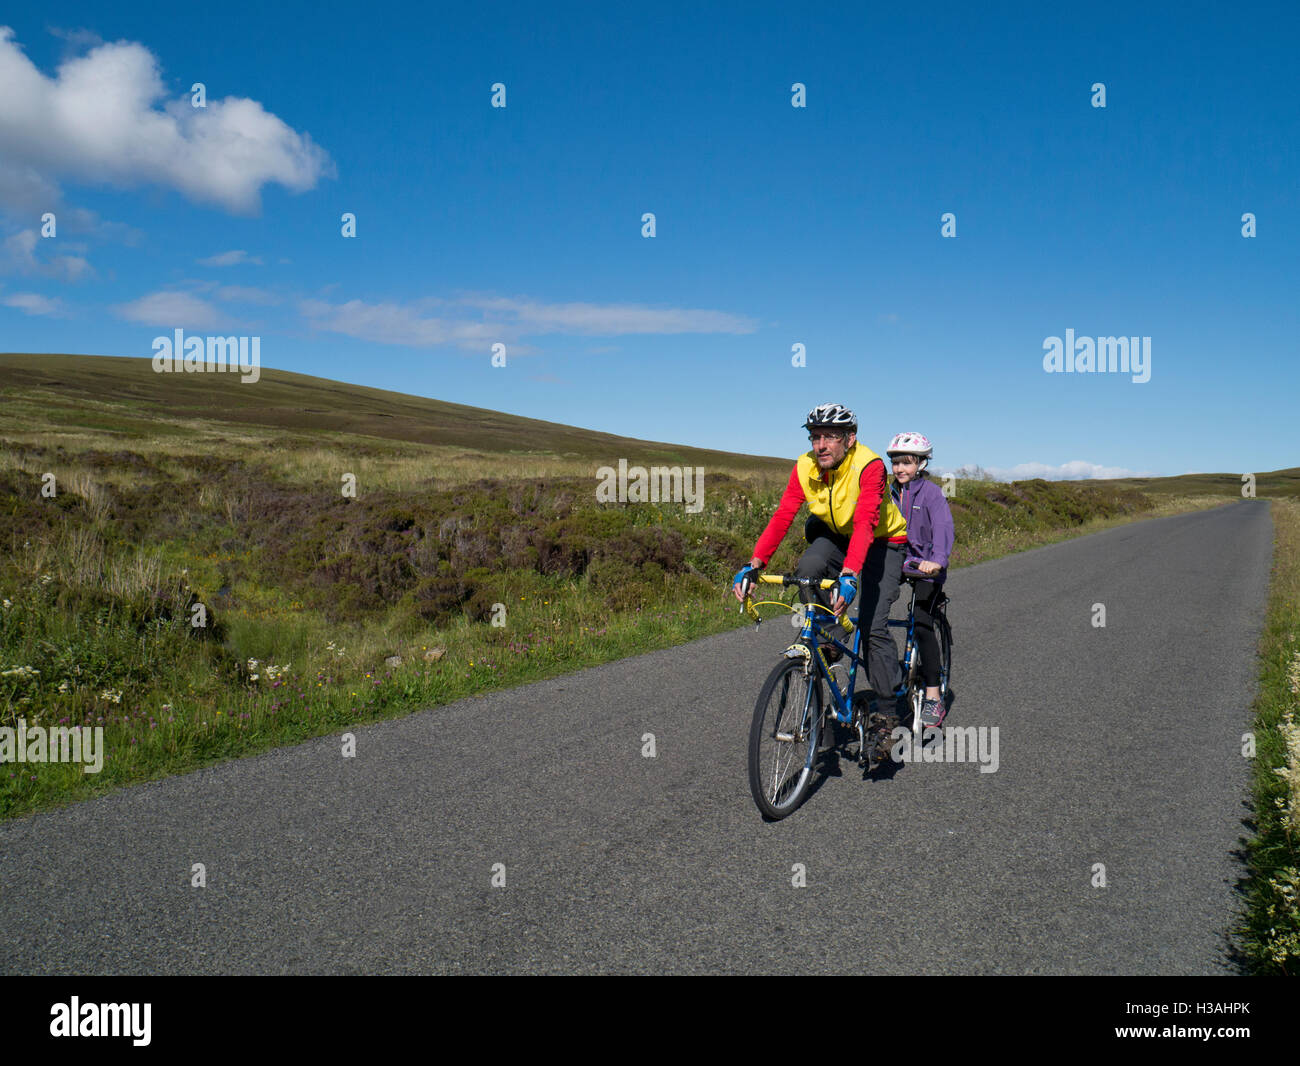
pixel 743 581
pixel 848 589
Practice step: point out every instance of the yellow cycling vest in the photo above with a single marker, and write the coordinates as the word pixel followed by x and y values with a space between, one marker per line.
pixel 834 503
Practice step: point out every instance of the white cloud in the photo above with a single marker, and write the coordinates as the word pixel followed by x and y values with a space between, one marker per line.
pixel 1075 470
pixel 230 259
pixel 77 40
pixel 103 118
pixel 174 309
pixel 33 304
pixel 611 319
pixel 17 256
pixel 394 324
pixel 505 320
pixel 243 294
pixel 25 191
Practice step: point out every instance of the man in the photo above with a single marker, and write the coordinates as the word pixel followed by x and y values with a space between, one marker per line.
pixel 855 528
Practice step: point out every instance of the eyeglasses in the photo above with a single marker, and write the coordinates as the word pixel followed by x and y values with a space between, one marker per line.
pixel 815 437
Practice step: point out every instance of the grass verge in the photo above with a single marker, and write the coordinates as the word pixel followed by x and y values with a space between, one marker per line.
pixel 1270 930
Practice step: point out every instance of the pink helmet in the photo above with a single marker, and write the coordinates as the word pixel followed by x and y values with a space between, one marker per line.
pixel 910 444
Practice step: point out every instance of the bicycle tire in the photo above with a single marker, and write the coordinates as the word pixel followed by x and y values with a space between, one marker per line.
pixel 943 633
pixel 790 703
pixel 915 692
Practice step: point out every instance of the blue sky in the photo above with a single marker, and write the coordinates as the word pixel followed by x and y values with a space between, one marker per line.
pixel 775 225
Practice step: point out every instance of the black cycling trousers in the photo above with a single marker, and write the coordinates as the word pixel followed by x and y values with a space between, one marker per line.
pixel 927 593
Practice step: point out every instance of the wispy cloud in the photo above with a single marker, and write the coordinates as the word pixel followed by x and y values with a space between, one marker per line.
pixel 395 324
pixel 1075 470
pixel 170 309
pixel 232 258
pixel 502 319
pixel 609 320
pixel 18 256
pixel 31 303
pixel 244 294
pixel 104 118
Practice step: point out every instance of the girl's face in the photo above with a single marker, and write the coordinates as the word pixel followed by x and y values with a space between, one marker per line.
pixel 905 467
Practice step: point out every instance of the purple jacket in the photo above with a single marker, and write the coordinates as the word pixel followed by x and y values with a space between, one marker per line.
pixel 930 530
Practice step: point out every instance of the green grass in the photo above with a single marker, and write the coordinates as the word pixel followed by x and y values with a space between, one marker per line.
pixel 1270 932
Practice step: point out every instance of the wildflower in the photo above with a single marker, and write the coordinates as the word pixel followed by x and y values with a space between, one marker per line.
pixel 8 604
pixel 112 695
pixel 64 686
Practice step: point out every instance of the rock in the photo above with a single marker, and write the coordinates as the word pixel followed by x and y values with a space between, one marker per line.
pixel 393 661
pixel 434 654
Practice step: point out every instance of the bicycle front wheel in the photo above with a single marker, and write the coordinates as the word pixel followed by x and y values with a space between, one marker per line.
pixel 783 739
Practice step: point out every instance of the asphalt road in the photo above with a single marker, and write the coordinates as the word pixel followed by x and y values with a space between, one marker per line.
pixel 1118 746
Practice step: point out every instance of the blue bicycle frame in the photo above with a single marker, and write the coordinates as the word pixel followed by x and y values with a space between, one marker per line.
pixel 843 703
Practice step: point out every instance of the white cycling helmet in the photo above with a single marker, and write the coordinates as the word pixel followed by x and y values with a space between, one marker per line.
pixel 911 444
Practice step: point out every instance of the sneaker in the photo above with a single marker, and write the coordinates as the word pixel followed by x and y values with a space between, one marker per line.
pixel 933 712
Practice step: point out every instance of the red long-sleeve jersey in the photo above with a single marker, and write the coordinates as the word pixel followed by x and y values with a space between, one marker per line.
pixel 871 491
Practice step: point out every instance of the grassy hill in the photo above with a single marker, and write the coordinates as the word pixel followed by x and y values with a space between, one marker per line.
pixel 125 396
pixel 1267 483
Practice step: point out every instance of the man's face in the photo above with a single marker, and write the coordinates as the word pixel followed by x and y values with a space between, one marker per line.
pixel 830 446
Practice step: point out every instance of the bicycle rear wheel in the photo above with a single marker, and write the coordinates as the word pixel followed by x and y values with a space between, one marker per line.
pixel 783 738
pixel 943 634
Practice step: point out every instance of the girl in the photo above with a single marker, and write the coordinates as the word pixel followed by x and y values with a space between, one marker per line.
pixel 929 545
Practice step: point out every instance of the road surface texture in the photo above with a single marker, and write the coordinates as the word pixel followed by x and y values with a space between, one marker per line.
pixel 1118 746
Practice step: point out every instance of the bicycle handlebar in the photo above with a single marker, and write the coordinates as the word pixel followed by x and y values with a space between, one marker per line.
pixel 784 580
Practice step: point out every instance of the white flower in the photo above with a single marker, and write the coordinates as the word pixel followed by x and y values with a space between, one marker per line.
pixel 64 687
pixel 112 695
pixel 253 677
pixel 46 578
pixel 20 671
pixel 8 604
